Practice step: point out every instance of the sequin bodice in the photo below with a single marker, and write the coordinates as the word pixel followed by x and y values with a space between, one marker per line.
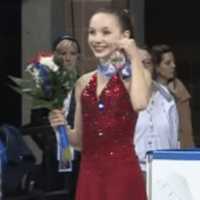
pixel 109 167
pixel 107 131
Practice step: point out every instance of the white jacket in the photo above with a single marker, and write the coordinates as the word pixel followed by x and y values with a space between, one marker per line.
pixel 157 126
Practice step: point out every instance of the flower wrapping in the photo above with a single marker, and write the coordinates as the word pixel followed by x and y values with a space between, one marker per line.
pixel 48 85
pixel 65 152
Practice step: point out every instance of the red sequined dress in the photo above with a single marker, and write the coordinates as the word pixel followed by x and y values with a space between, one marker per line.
pixel 109 167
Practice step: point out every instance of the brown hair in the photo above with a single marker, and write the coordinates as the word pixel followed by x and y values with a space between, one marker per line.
pixel 125 20
pixel 157 51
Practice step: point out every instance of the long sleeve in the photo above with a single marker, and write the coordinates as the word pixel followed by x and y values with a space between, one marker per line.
pixel 186 137
pixel 174 127
pixel 183 105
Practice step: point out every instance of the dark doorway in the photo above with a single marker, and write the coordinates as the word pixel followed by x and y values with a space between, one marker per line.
pixel 10 60
pixel 176 23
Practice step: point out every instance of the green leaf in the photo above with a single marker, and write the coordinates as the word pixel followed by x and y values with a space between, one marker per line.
pixel 20 82
pixel 16 89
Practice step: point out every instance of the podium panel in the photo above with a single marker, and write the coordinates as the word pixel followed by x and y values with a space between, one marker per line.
pixel 173 175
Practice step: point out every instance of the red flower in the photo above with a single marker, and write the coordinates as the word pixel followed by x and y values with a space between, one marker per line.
pixel 36 59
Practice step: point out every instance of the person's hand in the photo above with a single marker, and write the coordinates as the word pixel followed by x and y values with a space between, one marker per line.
pixel 128 46
pixel 56 118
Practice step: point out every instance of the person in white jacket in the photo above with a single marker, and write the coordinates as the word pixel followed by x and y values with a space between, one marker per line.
pixel 158 125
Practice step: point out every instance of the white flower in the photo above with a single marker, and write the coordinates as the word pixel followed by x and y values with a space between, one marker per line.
pixel 32 70
pixel 48 61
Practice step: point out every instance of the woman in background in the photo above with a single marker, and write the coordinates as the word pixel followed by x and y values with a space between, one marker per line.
pixel 158 125
pixel 66 51
pixel 164 61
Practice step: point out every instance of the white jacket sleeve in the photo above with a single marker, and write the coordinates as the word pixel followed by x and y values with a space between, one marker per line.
pixel 174 126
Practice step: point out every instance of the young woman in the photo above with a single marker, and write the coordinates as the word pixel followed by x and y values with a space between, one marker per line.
pixel 164 61
pixel 107 101
pixel 66 54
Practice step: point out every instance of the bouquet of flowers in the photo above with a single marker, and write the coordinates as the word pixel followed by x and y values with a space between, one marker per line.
pixel 48 84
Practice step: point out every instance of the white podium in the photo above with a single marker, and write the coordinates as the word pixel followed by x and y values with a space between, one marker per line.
pixel 173 174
